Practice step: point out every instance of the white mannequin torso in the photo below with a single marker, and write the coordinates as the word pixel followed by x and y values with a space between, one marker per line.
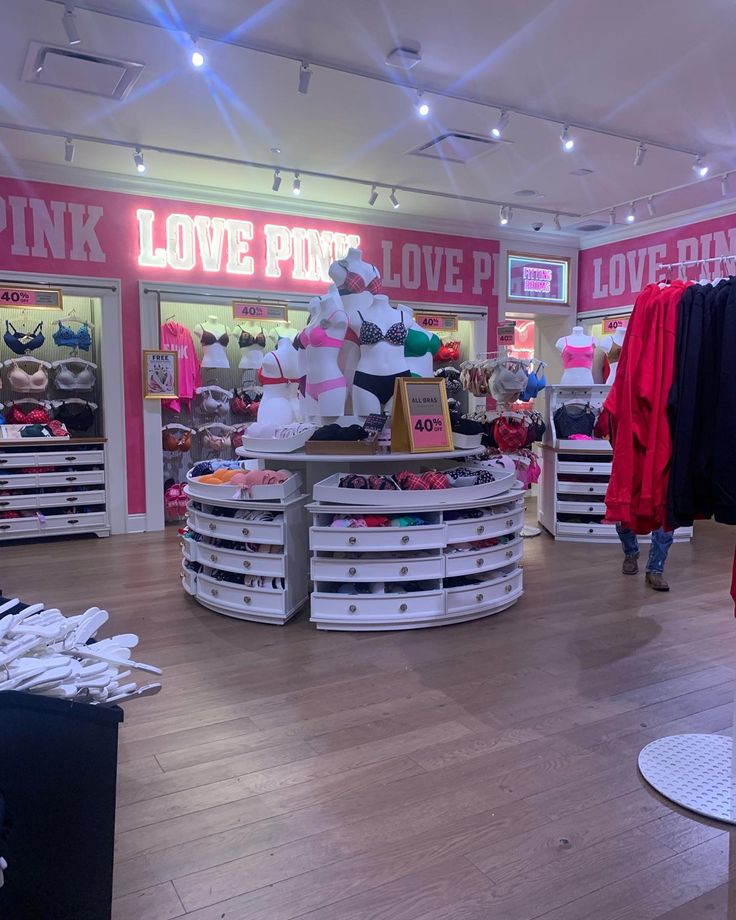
pixel 585 345
pixel 280 403
pixel 323 397
pixel 214 354
pixel 251 356
pixel 380 359
pixel 422 365
pixel 612 345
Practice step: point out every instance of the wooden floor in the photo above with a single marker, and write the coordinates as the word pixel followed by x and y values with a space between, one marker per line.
pixel 477 772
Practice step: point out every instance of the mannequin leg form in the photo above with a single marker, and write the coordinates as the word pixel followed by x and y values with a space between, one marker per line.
pixel 365 403
pixel 332 404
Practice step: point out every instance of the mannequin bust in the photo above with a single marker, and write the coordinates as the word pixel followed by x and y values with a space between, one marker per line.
pixel 577 351
pixel 279 377
pixel 420 347
pixel 322 340
pixel 612 345
pixel 382 332
pixel 252 342
pixel 214 338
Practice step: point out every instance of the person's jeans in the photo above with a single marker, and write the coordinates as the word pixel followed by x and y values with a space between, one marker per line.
pixel 661 542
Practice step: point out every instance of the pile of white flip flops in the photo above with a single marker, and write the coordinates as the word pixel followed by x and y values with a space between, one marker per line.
pixel 42 651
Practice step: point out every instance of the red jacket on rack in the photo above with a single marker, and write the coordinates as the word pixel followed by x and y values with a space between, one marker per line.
pixel 641 437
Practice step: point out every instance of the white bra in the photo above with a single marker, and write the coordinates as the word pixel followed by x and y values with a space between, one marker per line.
pixel 28 383
pixel 67 379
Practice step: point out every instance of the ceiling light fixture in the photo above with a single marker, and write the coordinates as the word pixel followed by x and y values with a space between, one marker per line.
pixel 198 58
pixel 568 143
pixel 394 200
pixel 305 75
pixel 296 185
pixel 503 215
pixel 68 150
pixel 422 106
pixel 70 25
pixel 612 217
pixel 650 206
pixel 631 214
pixel 641 152
pixel 373 197
pixel 503 120
pixel 276 185
pixel 700 168
pixel 138 160
pixel 556 222
pixel 724 185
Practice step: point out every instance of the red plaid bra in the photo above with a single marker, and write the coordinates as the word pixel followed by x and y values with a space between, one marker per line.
pixel 355 283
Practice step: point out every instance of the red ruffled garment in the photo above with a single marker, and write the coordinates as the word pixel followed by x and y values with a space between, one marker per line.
pixel 637 404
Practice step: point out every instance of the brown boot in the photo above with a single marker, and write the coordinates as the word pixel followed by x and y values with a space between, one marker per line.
pixel 656 581
pixel 631 565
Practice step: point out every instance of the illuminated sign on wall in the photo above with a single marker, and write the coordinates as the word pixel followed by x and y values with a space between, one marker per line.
pixel 534 280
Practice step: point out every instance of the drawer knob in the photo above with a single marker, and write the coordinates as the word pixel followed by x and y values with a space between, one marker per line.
pixel 247 599
pixel 508 588
pixel 352 608
pixel 479 562
pixel 71 478
pixel 480 529
pixel 479 598
pixel 403 608
pixel 590 530
pixel 3 460
pixel 4 504
pixel 213 557
pixel 4 526
pixel 70 458
pixel 510 522
pixel 591 489
pixel 352 540
pixel 405 539
pixel 213 526
pixel 4 482
pixel 246 563
pixel 215 592
pixel 509 553
pixel 590 469
pixel 74 498
pixel 73 521
pixel 590 508
pixel 404 570
pixel 352 570
pixel 245 531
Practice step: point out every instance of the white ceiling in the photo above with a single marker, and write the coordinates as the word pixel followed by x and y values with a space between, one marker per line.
pixel 660 69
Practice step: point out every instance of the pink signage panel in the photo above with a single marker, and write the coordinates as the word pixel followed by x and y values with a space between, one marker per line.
pixel 613 274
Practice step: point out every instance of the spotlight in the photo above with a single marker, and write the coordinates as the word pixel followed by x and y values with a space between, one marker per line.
pixel 700 168
pixel 138 160
pixel 276 180
pixel 503 120
pixel 631 214
pixel 503 215
pixel 724 185
pixel 612 217
pixel 68 150
pixel 373 197
pixel 394 200
pixel 567 142
pixel 296 185
pixel 70 25
pixel 650 206
pixel 556 222
pixel 641 152
pixel 422 107
pixel 305 75
pixel 198 58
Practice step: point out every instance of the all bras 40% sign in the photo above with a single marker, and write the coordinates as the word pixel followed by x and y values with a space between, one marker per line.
pixel 421 419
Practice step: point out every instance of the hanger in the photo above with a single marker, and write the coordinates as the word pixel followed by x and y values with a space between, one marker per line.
pixel 175 426
pixel 63 361
pixel 170 317
pixel 210 388
pixel 26 358
pixel 45 404
pixel 73 318
pixel 73 399
pixel 211 425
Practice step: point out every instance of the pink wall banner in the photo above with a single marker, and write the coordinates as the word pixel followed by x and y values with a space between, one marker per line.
pixel 613 274
pixel 60 230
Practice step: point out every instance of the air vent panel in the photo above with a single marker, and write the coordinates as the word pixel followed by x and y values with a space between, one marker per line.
pixel 591 227
pixel 457 147
pixel 82 72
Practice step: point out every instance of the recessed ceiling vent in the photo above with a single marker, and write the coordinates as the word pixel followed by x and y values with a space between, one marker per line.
pixel 69 69
pixel 591 227
pixel 457 147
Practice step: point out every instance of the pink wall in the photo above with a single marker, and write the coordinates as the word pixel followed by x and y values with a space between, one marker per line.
pixel 60 230
pixel 612 275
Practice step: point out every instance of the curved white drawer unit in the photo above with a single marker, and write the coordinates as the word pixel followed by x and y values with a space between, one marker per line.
pixel 484 560
pixel 377 539
pixel 365 568
pixel 229 528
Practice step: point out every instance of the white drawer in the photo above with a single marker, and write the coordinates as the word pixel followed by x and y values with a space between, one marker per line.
pixel 67 457
pixel 18 481
pixel 70 522
pixel 483 560
pixel 486 594
pixel 240 598
pixel 376 608
pixel 587 530
pixel 12 459
pixel 189 549
pixel 19 527
pixel 231 560
pixel 271 532
pixel 582 488
pixel 584 507
pixel 19 502
pixel 584 468
pixel 483 528
pixel 189 581
pixel 377 539
pixel 71 478
pixel 373 570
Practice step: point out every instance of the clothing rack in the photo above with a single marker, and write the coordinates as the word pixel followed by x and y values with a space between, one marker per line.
pixel 687 262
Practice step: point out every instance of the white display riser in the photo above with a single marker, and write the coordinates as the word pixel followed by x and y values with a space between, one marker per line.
pixel 61 488
pixel 417 553
pixel 287 534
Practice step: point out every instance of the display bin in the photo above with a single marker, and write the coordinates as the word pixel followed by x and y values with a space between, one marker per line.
pixel 58 771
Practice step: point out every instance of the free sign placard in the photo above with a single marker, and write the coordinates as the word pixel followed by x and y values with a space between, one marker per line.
pixel 421 418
